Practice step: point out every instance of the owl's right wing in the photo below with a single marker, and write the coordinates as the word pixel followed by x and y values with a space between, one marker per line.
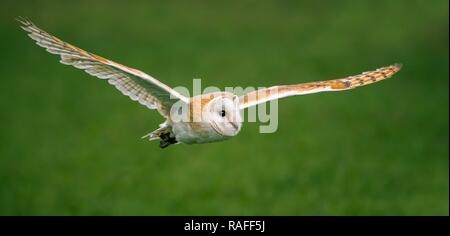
pixel 351 82
pixel 133 83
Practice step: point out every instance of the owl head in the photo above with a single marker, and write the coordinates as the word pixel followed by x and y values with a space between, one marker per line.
pixel 223 114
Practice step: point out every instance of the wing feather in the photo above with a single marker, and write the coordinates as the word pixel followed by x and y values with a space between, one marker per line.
pixel 351 82
pixel 131 82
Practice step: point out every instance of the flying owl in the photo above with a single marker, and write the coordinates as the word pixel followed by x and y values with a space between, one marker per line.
pixel 219 113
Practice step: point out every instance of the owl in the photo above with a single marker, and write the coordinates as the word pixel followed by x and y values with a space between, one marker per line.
pixel 204 118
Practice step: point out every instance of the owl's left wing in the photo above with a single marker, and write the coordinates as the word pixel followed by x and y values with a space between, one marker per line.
pixel 351 82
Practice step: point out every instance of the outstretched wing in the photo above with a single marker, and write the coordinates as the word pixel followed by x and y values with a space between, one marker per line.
pixel 131 82
pixel 351 82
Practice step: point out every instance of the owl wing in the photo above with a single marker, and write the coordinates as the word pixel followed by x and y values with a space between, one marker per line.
pixel 351 82
pixel 133 83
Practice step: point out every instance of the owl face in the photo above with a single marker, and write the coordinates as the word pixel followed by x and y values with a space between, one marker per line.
pixel 223 114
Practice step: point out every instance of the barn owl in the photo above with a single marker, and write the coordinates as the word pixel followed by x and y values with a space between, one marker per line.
pixel 218 113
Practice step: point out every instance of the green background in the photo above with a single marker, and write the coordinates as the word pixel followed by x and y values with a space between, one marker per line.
pixel 70 144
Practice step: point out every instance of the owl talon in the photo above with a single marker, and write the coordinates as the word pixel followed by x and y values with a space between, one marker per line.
pixel 166 140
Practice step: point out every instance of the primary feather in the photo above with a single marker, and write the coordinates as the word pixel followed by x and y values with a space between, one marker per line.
pixel 351 82
pixel 133 83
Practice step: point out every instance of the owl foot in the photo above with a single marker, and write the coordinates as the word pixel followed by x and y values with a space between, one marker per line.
pixel 166 140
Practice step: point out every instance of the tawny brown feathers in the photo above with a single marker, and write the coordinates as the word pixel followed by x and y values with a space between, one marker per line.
pixel 281 91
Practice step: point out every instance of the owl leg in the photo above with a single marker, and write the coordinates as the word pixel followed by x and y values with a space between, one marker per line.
pixel 166 140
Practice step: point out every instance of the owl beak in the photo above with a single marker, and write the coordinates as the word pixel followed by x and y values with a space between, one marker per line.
pixel 235 126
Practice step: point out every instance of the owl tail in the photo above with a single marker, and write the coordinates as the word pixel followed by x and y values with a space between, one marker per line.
pixel 164 133
pixel 153 135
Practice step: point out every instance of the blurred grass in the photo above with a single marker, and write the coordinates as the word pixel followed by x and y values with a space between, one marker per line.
pixel 70 144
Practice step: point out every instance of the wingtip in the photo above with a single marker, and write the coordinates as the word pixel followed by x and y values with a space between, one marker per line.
pixel 398 66
pixel 24 21
pixel 21 20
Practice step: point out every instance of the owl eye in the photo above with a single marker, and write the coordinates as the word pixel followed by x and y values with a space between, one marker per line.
pixel 222 113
